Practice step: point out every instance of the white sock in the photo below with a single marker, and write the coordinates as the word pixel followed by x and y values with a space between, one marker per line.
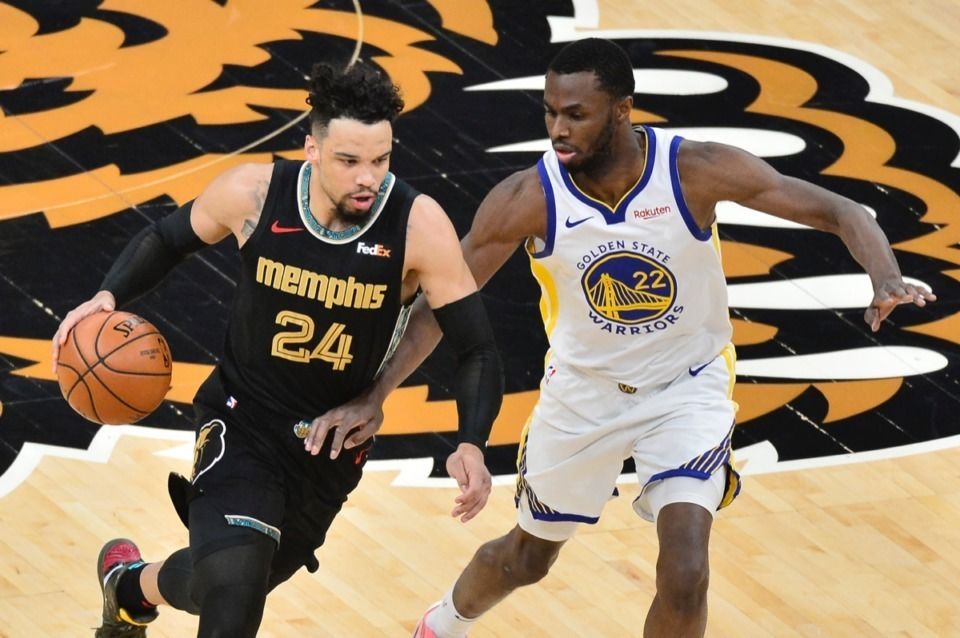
pixel 446 621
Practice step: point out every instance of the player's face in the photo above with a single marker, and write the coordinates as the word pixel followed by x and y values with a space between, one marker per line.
pixel 580 118
pixel 350 162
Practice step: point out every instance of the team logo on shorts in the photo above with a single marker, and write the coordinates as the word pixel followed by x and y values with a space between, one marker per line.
pixel 209 447
pixel 629 288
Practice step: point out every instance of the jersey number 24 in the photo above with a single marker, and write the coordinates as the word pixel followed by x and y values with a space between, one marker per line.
pixel 334 346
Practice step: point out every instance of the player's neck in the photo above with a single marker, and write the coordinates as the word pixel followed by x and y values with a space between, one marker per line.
pixel 322 209
pixel 615 173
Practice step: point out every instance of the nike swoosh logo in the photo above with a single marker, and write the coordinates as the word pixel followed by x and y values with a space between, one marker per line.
pixel 695 371
pixel 571 224
pixel 278 229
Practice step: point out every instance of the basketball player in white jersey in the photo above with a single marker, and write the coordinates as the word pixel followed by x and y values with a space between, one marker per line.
pixel 620 228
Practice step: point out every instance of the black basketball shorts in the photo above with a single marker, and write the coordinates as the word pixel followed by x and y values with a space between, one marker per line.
pixel 251 472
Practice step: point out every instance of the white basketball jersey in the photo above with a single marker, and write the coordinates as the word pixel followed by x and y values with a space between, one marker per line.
pixel 635 293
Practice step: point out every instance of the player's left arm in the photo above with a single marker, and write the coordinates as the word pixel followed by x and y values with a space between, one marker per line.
pixel 433 254
pixel 711 172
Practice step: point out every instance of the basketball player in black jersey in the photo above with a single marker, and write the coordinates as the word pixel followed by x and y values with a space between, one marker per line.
pixel 333 252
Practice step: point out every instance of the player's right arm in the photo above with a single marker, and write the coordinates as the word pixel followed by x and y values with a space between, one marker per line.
pixel 510 213
pixel 231 204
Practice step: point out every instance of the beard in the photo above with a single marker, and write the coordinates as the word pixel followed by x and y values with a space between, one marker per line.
pixel 345 213
pixel 601 153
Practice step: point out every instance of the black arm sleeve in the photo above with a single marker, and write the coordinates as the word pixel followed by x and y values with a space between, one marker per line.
pixel 479 389
pixel 151 254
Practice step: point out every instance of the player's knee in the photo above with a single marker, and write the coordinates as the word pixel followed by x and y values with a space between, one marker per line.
pixel 511 566
pixel 533 564
pixel 492 556
pixel 230 587
pixel 175 581
pixel 682 580
pixel 529 558
pixel 232 611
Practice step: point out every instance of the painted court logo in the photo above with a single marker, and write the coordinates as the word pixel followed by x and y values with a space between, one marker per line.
pixel 811 382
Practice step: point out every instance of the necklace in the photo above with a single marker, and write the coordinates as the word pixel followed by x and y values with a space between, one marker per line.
pixel 320 229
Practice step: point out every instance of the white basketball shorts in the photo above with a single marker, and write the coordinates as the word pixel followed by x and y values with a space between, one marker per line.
pixel 584 427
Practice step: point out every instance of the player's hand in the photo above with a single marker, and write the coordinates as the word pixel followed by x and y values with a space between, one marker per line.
pixel 103 301
pixel 466 466
pixel 360 418
pixel 892 293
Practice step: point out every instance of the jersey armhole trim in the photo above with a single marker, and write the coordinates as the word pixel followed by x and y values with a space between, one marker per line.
pixel 551 214
pixel 695 230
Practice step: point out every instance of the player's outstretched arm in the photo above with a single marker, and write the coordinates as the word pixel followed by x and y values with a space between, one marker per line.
pixel 433 254
pixel 493 237
pixel 227 205
pixel 715 172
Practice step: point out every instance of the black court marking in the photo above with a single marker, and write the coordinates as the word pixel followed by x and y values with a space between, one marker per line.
pixel 442 150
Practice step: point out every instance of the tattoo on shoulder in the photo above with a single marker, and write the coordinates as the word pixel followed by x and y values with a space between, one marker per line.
pixel 259 195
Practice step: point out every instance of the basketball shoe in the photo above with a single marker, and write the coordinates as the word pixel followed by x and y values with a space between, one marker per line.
pixel 116 558
pixel 422 630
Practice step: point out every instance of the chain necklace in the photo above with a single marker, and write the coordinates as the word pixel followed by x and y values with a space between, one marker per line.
pixel 320 229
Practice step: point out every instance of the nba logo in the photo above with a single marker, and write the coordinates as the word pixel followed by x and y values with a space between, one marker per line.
pixel 231 402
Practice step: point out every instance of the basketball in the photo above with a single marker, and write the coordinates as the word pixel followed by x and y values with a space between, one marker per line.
pixel 114 368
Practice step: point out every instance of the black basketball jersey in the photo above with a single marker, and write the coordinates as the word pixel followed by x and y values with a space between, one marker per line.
pixel 314 317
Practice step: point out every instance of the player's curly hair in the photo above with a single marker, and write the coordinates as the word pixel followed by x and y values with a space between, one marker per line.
pixel 361 92
pixel 607 60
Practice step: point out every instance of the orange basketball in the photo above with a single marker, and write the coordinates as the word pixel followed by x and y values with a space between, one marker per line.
pixel 114 368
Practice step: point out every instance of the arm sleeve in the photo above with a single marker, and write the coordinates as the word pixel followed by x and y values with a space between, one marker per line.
pixel 151 254
pixel 479 376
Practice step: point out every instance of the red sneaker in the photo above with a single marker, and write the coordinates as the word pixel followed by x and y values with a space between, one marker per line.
pixel 116 558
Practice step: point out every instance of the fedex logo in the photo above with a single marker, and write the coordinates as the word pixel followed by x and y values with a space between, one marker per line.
pixel 377 250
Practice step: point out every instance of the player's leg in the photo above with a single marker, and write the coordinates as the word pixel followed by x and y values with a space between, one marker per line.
pixel 230 586
pixel 683 507
pixel 496 569
pixel 567 471
pixel 236 504
pixel 500 566
pixel 683 459
pixel 227 587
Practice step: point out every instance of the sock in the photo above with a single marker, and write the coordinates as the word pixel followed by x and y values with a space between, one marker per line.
pixel 446 621
pixel 129 594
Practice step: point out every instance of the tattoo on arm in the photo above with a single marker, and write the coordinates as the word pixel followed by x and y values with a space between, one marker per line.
pixel 259 195
pixel 249 225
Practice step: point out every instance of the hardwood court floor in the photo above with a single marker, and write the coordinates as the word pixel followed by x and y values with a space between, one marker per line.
pixel 868 549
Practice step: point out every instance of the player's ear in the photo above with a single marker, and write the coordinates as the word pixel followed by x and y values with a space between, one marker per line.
pixel 624 108
pixel 311 148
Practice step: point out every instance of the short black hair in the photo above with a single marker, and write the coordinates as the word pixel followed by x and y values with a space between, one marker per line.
pixel 607 60
pixel 359 92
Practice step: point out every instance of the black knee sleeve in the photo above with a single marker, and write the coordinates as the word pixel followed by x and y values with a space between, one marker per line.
pixel 175 581
pixel 230 586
